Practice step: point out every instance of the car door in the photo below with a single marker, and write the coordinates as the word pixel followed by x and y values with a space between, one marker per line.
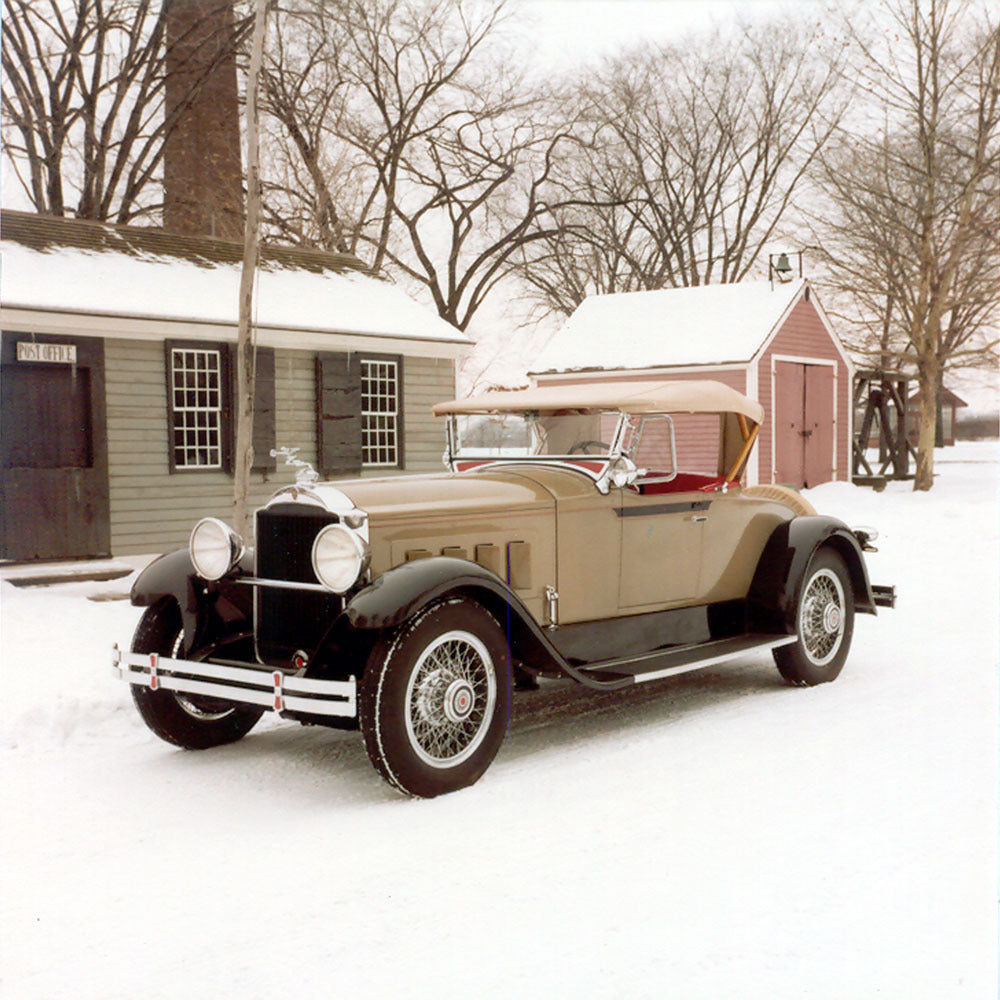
pixel 662 542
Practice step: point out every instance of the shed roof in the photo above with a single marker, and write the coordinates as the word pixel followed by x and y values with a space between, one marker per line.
pixel 73 265
pixel 701 325
pixel 948 398
pixel 694 396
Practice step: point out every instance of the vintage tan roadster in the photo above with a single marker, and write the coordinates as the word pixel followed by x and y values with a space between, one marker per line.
pixel 564 541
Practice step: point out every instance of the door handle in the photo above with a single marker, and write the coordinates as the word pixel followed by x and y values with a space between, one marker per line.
pixel 697 517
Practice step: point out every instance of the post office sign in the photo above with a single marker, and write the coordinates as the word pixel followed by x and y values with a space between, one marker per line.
pixel 57 354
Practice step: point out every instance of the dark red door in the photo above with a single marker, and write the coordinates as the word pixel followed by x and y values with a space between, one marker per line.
pixel 53 448
pixel 804 423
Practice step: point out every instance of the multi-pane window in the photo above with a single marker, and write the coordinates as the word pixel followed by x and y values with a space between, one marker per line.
pixel 379 412
pixel 197 406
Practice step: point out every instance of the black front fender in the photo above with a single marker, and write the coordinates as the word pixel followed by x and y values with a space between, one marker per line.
pixel 171 575
pixel 208 610
pixel 399 593
pixel 774 593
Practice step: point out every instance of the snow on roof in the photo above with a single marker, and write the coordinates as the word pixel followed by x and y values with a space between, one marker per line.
pixel 172 287
pixel 703 325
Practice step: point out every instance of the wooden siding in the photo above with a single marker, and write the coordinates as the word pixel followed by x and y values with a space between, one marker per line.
pixel 153 510
pixel 803 336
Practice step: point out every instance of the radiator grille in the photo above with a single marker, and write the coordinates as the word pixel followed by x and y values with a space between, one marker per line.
pixel 290 620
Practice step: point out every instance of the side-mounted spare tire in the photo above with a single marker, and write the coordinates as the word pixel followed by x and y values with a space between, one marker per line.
pixel 194 722
pixel 435 697
pixel 824 622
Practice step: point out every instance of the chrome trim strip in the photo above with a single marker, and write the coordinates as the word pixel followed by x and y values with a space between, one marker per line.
pixel 257 581
pixel 709 661
pixel 679 507
pixel 730 648
pixel 568 464
pixel 270 689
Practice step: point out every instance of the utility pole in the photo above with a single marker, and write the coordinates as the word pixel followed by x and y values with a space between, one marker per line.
pixel 245 346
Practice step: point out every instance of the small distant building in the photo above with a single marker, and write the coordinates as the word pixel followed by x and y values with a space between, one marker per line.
pixel 773 343
pixel 950 403
pixel 116 380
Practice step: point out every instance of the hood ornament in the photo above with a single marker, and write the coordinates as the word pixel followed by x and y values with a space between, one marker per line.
pixel 306 474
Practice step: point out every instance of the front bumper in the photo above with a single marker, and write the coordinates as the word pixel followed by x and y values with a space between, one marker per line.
pixel 269 689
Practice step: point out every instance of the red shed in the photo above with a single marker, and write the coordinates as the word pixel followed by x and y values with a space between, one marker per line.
pixel 775 344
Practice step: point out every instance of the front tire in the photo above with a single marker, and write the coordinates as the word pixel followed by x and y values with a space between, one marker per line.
pixel 193 722
pixel 824 623
pixel 435 699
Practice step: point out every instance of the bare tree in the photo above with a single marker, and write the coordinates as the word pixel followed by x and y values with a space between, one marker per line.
pixel 475 193
pixel 352 86
pixel 398 139
pixel 912 237
pixel 313 191
pixel 696 156
pixel 83 104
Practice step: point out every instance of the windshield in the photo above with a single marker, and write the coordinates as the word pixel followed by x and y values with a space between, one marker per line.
pixel 527 435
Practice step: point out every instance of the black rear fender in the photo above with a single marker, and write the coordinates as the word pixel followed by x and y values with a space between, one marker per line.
pixel 774 592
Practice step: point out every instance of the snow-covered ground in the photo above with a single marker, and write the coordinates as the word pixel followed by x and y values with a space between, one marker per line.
pixel 714 835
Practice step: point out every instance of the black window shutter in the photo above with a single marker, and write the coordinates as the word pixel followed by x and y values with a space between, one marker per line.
pixel 263 411
pixel 338 414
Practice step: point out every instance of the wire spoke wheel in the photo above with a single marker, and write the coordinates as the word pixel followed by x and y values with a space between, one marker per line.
pixel 824 623
pixel 434 698
pixel 821 617
pixel 450 699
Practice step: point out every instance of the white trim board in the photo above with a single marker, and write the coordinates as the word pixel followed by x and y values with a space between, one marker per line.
pixel 112 327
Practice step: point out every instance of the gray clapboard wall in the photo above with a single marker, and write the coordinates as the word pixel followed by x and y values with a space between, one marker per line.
pixel 153 510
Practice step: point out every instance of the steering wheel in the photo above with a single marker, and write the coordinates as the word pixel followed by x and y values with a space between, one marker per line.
pixel 584 445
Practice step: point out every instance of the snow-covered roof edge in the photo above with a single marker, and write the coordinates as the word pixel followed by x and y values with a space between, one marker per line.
pixel 111 284
pixel 744 316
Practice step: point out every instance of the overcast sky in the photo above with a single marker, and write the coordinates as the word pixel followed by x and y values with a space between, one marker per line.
pixel 567 32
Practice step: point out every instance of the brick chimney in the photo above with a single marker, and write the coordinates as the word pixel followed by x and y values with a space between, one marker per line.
pixel 202 167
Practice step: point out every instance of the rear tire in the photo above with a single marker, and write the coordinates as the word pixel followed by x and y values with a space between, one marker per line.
pixel 193 722
pixel 435 699
pixel 824 623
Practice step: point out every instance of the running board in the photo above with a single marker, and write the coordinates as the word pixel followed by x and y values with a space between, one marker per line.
pixel 668 662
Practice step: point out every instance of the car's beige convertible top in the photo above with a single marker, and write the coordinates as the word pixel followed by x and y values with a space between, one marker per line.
pixel 701 396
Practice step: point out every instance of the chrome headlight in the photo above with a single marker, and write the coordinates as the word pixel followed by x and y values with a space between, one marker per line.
pixel 338 557
pixel 215 548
